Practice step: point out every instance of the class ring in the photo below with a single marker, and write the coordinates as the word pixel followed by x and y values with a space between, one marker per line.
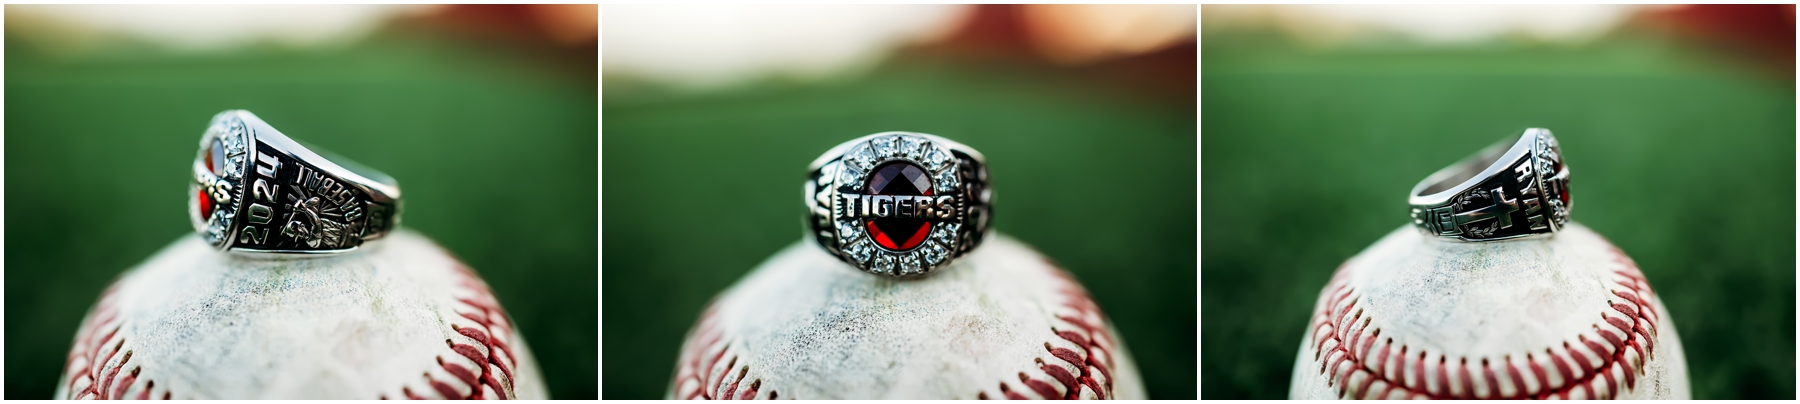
pixel 898 204
pixel 255 190
pixel 1513 189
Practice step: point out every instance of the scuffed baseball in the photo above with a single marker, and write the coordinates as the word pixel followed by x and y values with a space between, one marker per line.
pixel 400 318
pixel 1566 317
pixel 1002 322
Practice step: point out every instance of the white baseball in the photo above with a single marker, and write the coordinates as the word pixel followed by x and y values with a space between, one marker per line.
pixel 1568 317
pixel 1002 322
pixel 399 319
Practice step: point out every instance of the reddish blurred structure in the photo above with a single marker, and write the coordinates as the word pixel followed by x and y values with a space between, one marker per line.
pixel 1012 32
pixel 1763 33
pixel 565 24
pixel 570 33
pixel 991 30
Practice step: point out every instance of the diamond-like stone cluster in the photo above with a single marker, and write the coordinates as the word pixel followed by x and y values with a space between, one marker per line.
pixel 849 230
pixel 231 136
pixel 884 264
pixel 859 164
pixel 861 251
pixel 935 253
pixel 849 175
pixel 945 234
pixel 946 180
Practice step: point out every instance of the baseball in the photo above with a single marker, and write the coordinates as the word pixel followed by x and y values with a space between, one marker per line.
pixel 400 318
pixel 1000 323
pixel 1565 317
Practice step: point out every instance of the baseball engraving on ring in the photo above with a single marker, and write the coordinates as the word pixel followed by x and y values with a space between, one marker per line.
pixel 898 203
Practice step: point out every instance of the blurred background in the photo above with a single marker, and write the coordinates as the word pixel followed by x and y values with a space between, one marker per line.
pixel 485 114
pixel 712 113
pixel 1678 122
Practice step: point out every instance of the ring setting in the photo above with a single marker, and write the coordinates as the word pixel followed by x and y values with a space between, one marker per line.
pixel 1499 193
pixel 255 190
pixel 898 204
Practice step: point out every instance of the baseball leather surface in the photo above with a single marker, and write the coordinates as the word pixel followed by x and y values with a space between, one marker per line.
pixel 400 318
pixel 1566 317
pixel 1002 322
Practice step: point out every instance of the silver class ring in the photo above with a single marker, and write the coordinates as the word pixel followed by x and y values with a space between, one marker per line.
pixel 1510 190
pixel 255 190
pixel 898 204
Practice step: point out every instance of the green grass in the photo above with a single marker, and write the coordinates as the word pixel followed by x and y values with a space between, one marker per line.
pixel 494 145
pixel 700 188
pixel 1682 159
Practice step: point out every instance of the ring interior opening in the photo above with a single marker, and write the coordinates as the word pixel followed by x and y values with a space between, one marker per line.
pixel 1466 171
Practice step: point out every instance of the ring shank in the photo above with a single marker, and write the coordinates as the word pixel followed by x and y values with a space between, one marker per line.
pixel 296 201
pixel 1464 170
pixel 1499 193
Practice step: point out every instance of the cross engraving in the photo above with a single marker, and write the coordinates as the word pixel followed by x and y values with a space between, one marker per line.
pixel 1502 209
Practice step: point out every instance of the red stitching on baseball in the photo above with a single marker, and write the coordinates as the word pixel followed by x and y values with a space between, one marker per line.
pixel 703 350
pixel 1010 395
pixel 695 358
pixel 90 348
pixel 1096 344
pixel 499 356
pixel 89 359
pixel 1352 346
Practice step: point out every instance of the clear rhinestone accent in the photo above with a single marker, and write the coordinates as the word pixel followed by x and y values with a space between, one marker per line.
pixel 935 253
pixel 946 182
pixel 848 230
pixel 234 141
pixel 861 251
pixel 909 264
pixel 945 233
pixel 849 177
pixel 862 156
pixel 935 157
pixel 884 147
pixel 909 147
pixel 234 166
pixel 215 226
pixel 884 264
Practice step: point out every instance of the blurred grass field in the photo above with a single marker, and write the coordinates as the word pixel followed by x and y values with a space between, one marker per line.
pixel 1681 157
pixel 493 143
pixel 701 187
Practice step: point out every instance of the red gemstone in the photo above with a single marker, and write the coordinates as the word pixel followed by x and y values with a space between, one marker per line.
pixel 899 178
pixel 206 207
pixel 1564 194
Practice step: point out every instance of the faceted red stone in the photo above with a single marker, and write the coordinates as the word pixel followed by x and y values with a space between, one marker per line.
pixel 206 207
pixel 215 162
pixel 1565 194
pixel 899 178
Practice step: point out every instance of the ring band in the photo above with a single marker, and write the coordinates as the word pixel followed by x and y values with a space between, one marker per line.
pixel 898 204
pixel 1500 193
pixel 255 190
